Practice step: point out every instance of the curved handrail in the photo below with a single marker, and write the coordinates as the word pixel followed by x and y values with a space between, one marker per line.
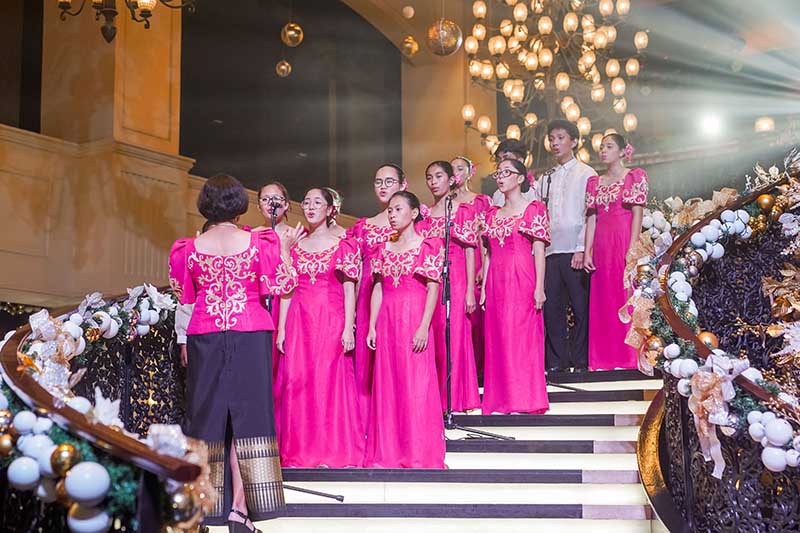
pixel 674 320
pixel 102 436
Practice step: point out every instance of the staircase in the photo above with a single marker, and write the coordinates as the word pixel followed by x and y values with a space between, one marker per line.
pixel 573 468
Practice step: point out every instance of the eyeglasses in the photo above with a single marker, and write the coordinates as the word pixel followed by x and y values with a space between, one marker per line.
pixel 504 173
pixel 387 182
pixel 270 199
pixel 312 203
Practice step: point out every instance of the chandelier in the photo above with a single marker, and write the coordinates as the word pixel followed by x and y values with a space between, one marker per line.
pixel 140 11
pixel 553 59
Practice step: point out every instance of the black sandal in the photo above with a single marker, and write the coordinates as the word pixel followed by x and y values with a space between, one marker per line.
pixel 238 527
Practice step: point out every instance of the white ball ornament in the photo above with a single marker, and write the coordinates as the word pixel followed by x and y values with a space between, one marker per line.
pixel 727 228
pixel 113 329
pixel 796 443
pixel 766 416
pixel 698 240
pixel 793 458
pixel 778 431
pixel 103 320
pixel 654 233
pixel 81 346
pixel 44 460
pixel 80 404
pixel 715 223
pixel 703 254
pixel 727 216
pixel 693 309
pixel 144 305
pixel 36 444
pixel 113 310
pixel 667 228
pixel 754 417
pixel 718 251
pixel 681 296
pixel 3 401
pixel 154 317
pixel 756 431
pixel 743 215
pixel 774 459
pixel 74 330
pixel 86 519
pixel 753 374
pixel 24 421
pixel 87 483
pixel 738 227
pixel 683 287
pixel 671 351
pixel 46 490
pixel 710 233
pixel 647 222
pixel 747 233
pixel 142 329
pixel 688 368
pixel 684 387
pixel 23 473
pixel 76 319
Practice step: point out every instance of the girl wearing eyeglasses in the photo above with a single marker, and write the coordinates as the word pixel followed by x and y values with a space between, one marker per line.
pixel 513 295
pixel 465 225
pixel 405 427
pixel 371 233
pixel 316 385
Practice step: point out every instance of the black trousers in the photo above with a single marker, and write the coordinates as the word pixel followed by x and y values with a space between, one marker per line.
pixel 564 285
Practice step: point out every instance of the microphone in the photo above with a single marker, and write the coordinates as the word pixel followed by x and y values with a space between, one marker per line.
pixel 274 204
pixel 452 195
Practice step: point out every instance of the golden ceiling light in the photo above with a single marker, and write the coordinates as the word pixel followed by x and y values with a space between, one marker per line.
pixel 620 105
pixel 468 113
pixel 537 6
pixel 606 7
pixel 764 125
pixel 612 68
pixel 545 57
pixel 536 45
pixel 566 102
pixel 539 85
pixel 410 46
pixel 623 7
pixel 484 124
pixel 506 28
pixel 588 58
pixel 491 143
pixel 584 126
pixel 513 45
pixel 570 22
pixel 487 70
pixel 545 25
pixel 608 132
pixel 408 12
pixel 583 155
pixel 523 55
pixel 618 86
pixel 520 12
pixel 501 70
pixel 106 10
pixel 531 62
pixel 479 31
pixel 475 68
pixel 531 119
pixel 587 21
pixel 517 92
pixel 521 32
pixel 598 93
pixel 479 9
pixel 497 45
pixel 507 86
pixel 630 122
pixel 632 67
pixel 573 113
pixel 292 34
pixel 562 81
pixel 641 40
pixel 600 39
pixel 283 68
pixel 471 45
pixel 597 141
pixel 513 132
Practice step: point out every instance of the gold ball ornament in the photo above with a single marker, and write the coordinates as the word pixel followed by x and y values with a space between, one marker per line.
pixel 680 263
pixel 408 12
pixel 5 420
pixel 775 213
pixel 695 259
pixel 64 457
pixel 765 202
pixel 644 269
pixel 182 505
pixel 410 46
pixel 292 34
pixel 6 445
pixel 693 271
pixel 654 343
pixel 444 37
pixel 283 68
pixel 709 339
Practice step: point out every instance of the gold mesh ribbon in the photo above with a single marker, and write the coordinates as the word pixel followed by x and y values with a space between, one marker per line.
pixel 696 208
pixel 639 319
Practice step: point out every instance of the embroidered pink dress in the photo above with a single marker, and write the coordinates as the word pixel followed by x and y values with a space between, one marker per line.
pixel 607 293
pixel 480 204
pixel 229 379
pixel 405 427
pixel 369 237
pixel 464 380
pixel 513 378
pixel 318 422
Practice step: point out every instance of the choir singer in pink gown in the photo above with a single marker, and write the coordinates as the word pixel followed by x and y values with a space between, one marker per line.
pixel 318 424
pixel 614 205
pixel 513 294
pixel 405 427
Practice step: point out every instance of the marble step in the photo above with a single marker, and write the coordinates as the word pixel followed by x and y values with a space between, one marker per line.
pixel 606 375
pixel 635 384
pixel 619 395
pixel 453 525
pixel 540 446
pixel 580 433
pixel 454 475
pixel 609 419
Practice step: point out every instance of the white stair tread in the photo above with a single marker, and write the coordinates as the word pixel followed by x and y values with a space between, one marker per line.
pixel 629 407
pixel 450 525
pixel 473 493
pixel 543 461
pixel 597 433
pixel 638 384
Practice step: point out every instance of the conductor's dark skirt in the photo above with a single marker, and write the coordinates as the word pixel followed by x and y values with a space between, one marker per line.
pixel 229 397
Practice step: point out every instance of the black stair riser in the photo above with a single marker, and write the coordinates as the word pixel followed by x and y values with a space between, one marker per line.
pixel 434 510
pixel 400 475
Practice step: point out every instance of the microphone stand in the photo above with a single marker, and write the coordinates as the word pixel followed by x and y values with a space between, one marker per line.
pixel 449 419
pixel 546 200
pixel 273 209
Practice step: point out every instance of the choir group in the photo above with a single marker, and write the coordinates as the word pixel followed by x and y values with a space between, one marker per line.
pixel 360 355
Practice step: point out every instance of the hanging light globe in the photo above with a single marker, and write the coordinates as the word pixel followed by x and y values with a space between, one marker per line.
pixel 484 124
pixel 641 40
pixel 612 68
pixel 283 68
pixel 479 31
pixel 632 67
pixel 513 132
pixel 410 46
pixel 597 141
pixel 598 93
pixel 506 27
pixel 620 105
pixel 618 86
pixel 292 34
pixel 531 119
pixel 545 25
pixel 520 12
pixel 630 122
pixel 584 125
pixel 570 22
pixel 479 9
pixel 562 81
pixel 468 113
pixel 444 37
pixel 623 7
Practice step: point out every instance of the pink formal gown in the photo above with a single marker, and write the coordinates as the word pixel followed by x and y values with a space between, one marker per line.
pixel 481 204
pixel 319 408
pixel 607 293
pixel 369 237
pixel 513 378
pixel 405 427
pixel 464 380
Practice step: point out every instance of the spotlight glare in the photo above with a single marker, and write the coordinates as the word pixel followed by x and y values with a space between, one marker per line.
pixel 710 124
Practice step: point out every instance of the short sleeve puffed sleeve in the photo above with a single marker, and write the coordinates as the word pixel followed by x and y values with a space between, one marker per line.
pixel 535 222
pixel 466 225
pixel 429 260
pixel 276 277
pixel 180 279
pixel 356 232
pixel 348 259
pixel 591 192
pixel 634 188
